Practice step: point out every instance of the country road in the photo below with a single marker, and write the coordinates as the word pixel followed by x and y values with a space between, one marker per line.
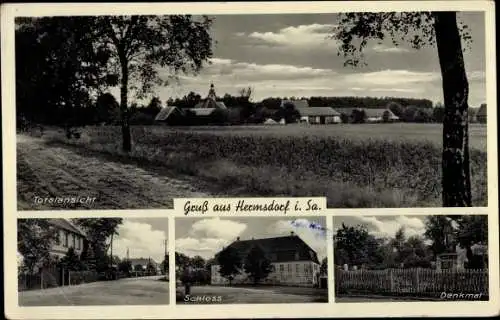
pixel 132 291
pixel 45 171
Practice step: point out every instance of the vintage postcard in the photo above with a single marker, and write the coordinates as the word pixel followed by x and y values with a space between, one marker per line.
pixel 296 159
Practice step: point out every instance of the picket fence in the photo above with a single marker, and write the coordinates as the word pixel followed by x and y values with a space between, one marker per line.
pixel 425 282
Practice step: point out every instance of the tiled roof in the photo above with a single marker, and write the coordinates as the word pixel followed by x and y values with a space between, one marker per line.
pixel 318 111
pixel 66 225
pixel 210 103
pixel 278 249
pixel 166 112
pixel 379 113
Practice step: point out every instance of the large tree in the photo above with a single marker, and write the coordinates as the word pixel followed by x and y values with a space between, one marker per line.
pixel 436 229
pixel 141 45
pixel 229 263
pixel 35 238
pixel 419 29
pixel 99 231
pixel 58 69
pixel 257 265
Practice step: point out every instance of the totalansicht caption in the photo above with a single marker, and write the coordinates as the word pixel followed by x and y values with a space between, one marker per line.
pixel 69 200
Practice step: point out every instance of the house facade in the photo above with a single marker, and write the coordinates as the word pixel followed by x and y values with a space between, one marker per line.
pixel 380 115
pixel 141 264
pixel 293 262
pixel 319 115
pixel 68 236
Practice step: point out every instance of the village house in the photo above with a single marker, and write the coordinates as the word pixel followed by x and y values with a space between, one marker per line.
pixel 313 115
pixel 141 264
pixel 68 236
pixel 294 263
pixel 372 115
pixel 202 110
pixel 319 115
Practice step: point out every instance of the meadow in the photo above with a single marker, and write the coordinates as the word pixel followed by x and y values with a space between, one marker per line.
pixel 354 166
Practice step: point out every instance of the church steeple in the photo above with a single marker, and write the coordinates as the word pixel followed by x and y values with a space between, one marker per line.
pixel 211 92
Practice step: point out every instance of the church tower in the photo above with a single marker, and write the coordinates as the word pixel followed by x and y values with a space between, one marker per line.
pixel 211 92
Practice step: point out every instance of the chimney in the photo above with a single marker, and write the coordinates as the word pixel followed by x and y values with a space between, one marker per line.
pixel 292 233
pixel 237 238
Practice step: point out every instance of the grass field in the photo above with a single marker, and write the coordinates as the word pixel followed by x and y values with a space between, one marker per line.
pixel 417 132
pixel 370 165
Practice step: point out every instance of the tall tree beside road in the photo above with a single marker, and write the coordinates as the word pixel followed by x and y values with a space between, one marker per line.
pixel 420 29
pixel 98 231
pixel 140 45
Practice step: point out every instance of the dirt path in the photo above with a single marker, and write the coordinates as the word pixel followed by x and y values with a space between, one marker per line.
pixel 55 171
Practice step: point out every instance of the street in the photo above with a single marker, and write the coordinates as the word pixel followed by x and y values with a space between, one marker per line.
pixel 224 295
pixel 49 170
pixel 130 291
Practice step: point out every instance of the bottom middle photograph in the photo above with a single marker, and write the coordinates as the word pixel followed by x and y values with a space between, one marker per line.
pixel 251 260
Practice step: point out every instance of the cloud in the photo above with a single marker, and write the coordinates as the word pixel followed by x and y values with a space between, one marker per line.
pixel 392 77
pixel 141 240
pixel 302 36
pixel 388 228
pixel 381 48
pixel 207 236
pixel 251 71
pixel 316 239
pixel 217 228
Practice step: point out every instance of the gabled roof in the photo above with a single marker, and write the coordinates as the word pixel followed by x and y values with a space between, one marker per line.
pixel 278 249
pixel 318 111
pixel 66 225
pixel 202 111
pixel 379 113
pixel 210 103
pixel 166 112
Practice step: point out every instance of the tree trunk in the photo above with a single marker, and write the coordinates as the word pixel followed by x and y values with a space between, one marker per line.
pixel 126 139
pixel 455 164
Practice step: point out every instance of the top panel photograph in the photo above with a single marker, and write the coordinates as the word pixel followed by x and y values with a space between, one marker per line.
pixel 367 109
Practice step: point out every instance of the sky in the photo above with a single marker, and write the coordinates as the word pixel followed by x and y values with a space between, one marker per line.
pixel 384 226
pixel 206 237
pixel 289 55
pixel 144 237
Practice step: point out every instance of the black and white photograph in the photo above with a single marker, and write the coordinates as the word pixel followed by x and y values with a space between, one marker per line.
pixel 411 258
pixel 367 109
pixel 251 260
pixel 92 261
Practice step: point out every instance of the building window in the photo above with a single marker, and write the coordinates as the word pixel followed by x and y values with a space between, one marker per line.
pixel 289 267
pixel 296 256
pixel 79 243
pixel 282 268
pixel 58 238
pixel 297 268
pixel 66 239
pixel 74 241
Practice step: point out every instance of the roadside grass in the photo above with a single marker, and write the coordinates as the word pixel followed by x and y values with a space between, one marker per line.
pixel 349 173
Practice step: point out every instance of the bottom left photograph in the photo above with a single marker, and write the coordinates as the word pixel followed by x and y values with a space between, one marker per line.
pixel 92 261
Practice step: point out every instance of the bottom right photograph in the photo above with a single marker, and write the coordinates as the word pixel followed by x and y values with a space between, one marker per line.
pixel 410 258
